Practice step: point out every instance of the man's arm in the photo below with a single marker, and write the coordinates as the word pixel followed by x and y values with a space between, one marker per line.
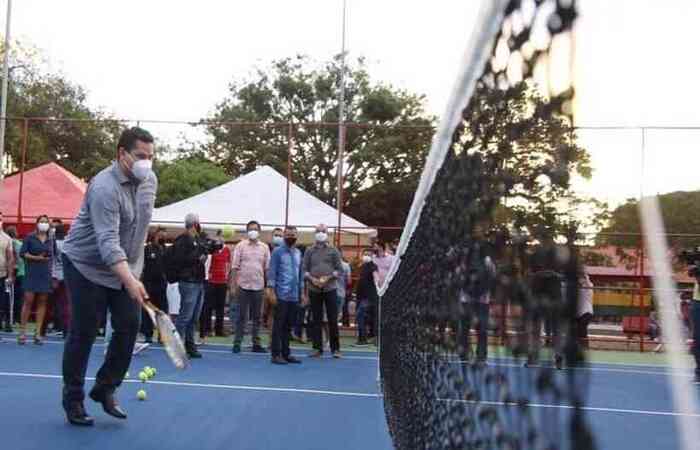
pixel 10 258
pixel 271 282
pixel 235 266
pixel 105 218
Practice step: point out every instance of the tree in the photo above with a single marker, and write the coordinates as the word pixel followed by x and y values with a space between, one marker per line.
pixel 187 176
pixel 83 144
pixel 389 148
pixel 679 210
pixel 529 156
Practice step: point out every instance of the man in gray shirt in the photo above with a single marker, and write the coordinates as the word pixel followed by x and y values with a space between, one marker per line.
pixel 322 267
pixel 102 263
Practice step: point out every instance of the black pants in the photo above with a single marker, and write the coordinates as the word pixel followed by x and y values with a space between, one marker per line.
pixel 318 301
pixel 582 323
pixel 283 319
pixel 87 298
pixel 157 293
pixel 476 312
pixel 214 302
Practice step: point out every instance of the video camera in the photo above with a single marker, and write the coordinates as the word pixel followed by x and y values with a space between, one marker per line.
pixel 209 246
pixel 691 257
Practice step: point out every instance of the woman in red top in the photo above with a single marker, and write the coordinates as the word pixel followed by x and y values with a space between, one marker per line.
pixel 215 296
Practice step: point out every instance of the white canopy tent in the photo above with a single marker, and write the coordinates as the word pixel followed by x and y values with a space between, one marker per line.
pixel 260 195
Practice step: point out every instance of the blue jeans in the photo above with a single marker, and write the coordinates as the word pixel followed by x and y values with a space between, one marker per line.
pixel 361 317
pixel 191 301
pixel 695 313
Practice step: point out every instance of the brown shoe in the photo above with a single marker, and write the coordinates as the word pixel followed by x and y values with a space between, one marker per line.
pixel 279 360
pixel 337 354
pixel 315 354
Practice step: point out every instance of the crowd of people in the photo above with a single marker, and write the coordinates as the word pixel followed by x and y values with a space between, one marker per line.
pixel 197 279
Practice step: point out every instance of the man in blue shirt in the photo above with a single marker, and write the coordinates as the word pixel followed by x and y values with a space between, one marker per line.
pixel 285 286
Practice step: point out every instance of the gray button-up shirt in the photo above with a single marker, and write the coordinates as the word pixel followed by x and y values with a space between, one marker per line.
pixel 111 226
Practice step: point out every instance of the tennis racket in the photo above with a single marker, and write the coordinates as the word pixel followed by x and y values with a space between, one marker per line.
pixel 168 335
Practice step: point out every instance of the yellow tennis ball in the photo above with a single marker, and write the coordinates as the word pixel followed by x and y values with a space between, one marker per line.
pixel 153 371
pixel 143 376
pixel 141 395
pixel 127 375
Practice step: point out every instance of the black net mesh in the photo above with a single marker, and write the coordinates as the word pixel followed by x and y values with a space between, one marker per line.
pixel 493 239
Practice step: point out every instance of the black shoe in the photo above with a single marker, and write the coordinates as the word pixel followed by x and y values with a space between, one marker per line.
pixel 148 340
pixel 279 360
pixel 76 415
pixel 236 348
pixel 257 348
pixel 559 362
pixel 109 403
pixel 292 360
pixel 193 353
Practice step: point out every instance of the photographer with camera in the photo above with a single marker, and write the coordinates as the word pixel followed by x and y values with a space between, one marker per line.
pixel 186 258
pixel 692 259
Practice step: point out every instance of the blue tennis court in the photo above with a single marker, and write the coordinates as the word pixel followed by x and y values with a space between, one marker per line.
pixel 229 401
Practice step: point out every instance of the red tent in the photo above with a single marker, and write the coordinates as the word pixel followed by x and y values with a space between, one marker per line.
pixel 49 189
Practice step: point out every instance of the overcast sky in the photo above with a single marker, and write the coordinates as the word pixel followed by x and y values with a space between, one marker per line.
pixel 172 60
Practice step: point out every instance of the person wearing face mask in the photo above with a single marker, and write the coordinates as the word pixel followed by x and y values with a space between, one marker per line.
pixel 189 256
pixel 366 294
pixel 36 252
pixel 215 294
pixel 322 268
pixel 7 274
pixel 277 240
pixel 285 289
pixel 154 279
pixel 249 264
pixel 103 257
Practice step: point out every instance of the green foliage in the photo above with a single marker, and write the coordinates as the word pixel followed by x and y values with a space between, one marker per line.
pixel 538 155
pixel 294 90
pixel 84 145
pixel 681 214
pixel 185 177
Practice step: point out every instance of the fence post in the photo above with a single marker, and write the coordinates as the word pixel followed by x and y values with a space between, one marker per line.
pixel 25 138
pixel 290 142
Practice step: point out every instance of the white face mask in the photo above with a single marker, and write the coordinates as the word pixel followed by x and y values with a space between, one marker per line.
pixel 43 227
pixel 141 169
pixel 366 259
pixel 321 236
pixel 277 240
pixel 253 235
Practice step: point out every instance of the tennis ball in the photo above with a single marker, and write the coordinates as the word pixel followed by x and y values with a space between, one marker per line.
pixel 143 376
pixel 141 395
pixel 150 373
pixel 153 372
pixel 127 375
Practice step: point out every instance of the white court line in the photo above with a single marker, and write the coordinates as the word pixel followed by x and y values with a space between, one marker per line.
pixel 205 350
pixel 368 395
pixel 214 386
pixel 668 372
